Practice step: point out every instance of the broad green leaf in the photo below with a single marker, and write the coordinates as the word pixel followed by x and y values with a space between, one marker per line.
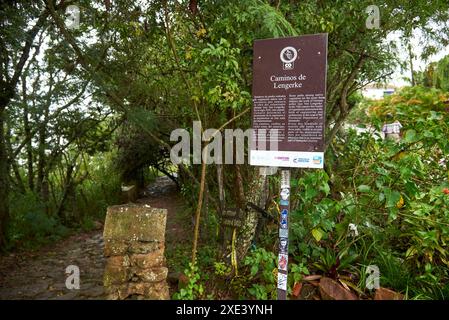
pixel 364 188
pixel 317 233
pixel 410 135
pixel 392 197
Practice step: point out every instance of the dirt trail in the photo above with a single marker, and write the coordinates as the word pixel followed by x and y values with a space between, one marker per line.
pixel 41 274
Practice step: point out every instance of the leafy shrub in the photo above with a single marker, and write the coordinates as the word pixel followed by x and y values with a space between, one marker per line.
pixel 396 194
pixel 30 226
pixel 194 289
pixel 262 267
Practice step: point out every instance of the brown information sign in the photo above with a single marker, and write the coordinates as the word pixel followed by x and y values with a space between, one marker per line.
pixel 289 95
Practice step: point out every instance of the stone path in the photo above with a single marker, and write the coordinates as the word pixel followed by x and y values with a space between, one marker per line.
pixel 41 275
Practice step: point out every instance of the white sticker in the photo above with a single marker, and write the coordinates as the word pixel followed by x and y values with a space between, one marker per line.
pixel 283 233
pixel 285 193
pixel 283 245
pixel 285 179
pixel 282 281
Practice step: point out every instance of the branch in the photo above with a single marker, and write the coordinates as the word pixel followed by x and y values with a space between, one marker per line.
pixel 53 116
pixel 31 34
pixel 371 81
pixel 343 99
pixel 84 60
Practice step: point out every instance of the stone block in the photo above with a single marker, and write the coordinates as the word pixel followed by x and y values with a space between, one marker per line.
pixel 151 275
pixel 148 260
pixel 121 247
pixel 115 275
pixel 134 222
pixel 134 237
pixel 143 290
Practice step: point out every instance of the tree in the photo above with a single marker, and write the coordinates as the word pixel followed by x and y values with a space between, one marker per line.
pixel 175 62
pixel 14 19
pixel 441 74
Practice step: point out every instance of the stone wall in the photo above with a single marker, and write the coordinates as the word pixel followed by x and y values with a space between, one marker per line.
pixel 134 238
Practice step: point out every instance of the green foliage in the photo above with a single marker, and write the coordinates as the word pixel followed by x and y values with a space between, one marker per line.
pixel 395 194
pixel 440 75
pixel 101 188
pixel 221 269
pixel 34 222
pixel 30 226
pixel 194 289
pixel 297 271
pixel 158 66
pixel 263 273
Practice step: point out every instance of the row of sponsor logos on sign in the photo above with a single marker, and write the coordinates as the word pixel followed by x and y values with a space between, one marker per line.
pixel 286 159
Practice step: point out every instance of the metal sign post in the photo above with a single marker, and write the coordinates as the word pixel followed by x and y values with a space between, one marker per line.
pixel 284 206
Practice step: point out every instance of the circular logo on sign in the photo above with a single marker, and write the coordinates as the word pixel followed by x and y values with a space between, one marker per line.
pixel 288 55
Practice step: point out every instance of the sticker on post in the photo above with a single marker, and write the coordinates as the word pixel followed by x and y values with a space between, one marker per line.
pixel 283 245
pixel 284 224
pixel 285 193
pixel 283 233
pixel 283 261
pixel 282 281
pixel 285 179
pixel 284 202
pixel 284 214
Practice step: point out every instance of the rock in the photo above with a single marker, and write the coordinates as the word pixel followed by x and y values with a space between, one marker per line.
pixel 147 260
pixel 147 290
pixel 119 271
pixel 307 292
pixel 151 275
pixel 173 277
pixel 332 290
pixel 387 294
pixel 119 247
pixel 116 275
pixel 134 222
pixel 118 262
pixel 67 296
pixel 94 292
pixel 134 237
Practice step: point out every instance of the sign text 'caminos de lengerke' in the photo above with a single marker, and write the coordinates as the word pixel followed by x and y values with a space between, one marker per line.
pixel 289 94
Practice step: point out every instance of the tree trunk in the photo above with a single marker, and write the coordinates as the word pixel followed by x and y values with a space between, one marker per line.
pixel 412 73
pixel 42 162
pixel 7 91
pixel 29 147
pixel 4 180
pixel 12 162
pixel 247 232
